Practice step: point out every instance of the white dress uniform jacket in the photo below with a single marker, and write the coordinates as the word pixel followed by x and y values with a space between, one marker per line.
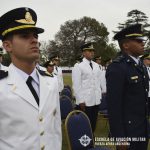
pixel 58 73
pixel 23 124
pixel 88 84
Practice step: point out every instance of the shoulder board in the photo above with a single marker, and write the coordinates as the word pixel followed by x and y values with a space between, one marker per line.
pixel 45 73
pixel 3 74
pixel 119 59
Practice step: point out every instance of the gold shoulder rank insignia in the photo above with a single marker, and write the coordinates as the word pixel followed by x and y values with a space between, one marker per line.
pixel 49 74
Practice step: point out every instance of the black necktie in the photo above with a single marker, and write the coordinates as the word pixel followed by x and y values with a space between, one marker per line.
pixel 140 63
pixel 91 65
pixel 56 68
pixel 29 80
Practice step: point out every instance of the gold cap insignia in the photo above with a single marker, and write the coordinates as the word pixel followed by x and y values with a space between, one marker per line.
pixel 27 20
pixel 91 46
pixel 51 63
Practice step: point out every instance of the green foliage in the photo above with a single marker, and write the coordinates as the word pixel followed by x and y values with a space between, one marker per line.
pixel 134 17
pixel 74 33
pixel 137 17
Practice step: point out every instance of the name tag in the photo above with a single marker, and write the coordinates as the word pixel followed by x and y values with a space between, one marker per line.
pixel 134 77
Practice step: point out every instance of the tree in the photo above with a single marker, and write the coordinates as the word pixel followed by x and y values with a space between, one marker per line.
pixel 74 33
pixel 137 17
pixel 134 17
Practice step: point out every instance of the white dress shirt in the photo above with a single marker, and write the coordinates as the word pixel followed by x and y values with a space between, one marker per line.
pixel 135 59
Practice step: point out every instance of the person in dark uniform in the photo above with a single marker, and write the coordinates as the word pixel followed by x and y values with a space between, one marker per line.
pixel 127 91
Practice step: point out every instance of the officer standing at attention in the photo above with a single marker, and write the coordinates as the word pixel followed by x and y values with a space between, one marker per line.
pixel 97 59
pixel 49 65
pixel 127 91
pixel 58 71
pixel 2 67
pixel 29 98
pixel 87 84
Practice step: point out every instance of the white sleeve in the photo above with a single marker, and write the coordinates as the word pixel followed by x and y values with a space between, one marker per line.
pixel 61 82
pixel 58 133
pixel 76 83
pixel 103 81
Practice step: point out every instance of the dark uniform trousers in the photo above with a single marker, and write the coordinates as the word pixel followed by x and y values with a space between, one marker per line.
pixel 92 113
pixel 127 99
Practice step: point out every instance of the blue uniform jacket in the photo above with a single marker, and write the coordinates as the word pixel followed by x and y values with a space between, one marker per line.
pixel 127 97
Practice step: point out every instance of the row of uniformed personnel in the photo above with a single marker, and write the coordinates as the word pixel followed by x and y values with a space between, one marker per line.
pixel 127 84
pixel 29 98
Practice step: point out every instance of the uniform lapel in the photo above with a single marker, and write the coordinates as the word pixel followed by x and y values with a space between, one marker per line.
pixel 139 68
pixel 44 91
pixel 19 87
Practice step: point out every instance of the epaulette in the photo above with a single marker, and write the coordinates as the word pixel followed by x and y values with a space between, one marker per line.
pixel 119 59
pixel 3 74
pixel 45 73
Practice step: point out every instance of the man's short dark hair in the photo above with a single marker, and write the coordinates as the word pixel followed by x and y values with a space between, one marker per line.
pixel 121 42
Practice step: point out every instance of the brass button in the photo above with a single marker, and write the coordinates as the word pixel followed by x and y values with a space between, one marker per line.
pixel 41 119
pixel 42 133
pixel 43 147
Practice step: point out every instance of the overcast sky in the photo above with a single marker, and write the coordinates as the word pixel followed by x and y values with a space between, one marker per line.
pixel 53 13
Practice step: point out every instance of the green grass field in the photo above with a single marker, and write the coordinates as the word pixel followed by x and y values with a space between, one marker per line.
pixel 102 127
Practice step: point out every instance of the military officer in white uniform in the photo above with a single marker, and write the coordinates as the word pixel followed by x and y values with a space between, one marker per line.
pixel 2 67
pixel 88 84
pixel 58 71
pixel 29 98
pixel 49 65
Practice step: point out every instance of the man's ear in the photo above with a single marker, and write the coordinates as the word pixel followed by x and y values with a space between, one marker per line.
pixel 126 45
pixel 7 45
